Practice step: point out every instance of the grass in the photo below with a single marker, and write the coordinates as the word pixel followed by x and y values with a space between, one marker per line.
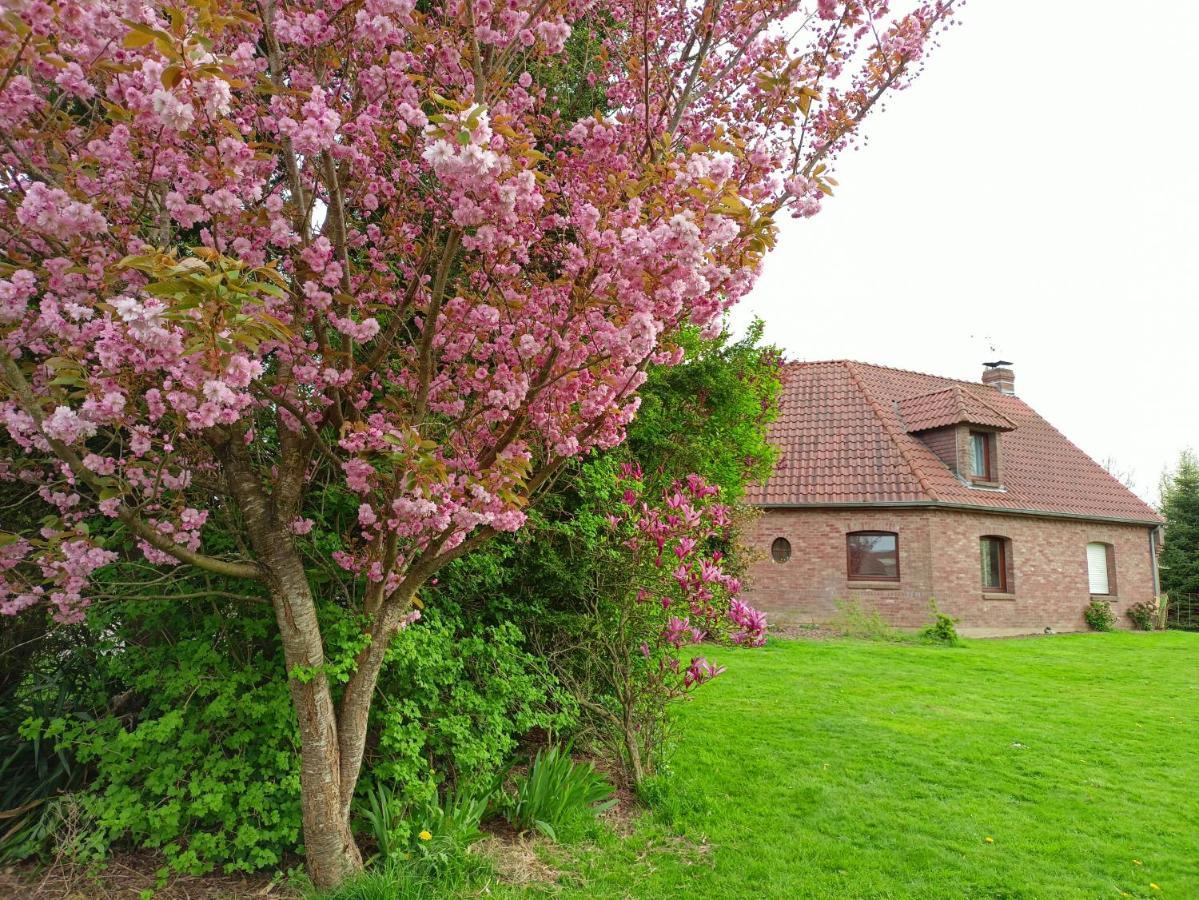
pixel 854 769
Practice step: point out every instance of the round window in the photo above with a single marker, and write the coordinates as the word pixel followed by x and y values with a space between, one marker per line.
pixel 780 550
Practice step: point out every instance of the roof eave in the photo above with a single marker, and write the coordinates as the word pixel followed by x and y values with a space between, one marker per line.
pixel 965 420
pixel 940 504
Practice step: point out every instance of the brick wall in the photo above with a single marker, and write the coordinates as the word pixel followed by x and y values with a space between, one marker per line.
pixel 939 558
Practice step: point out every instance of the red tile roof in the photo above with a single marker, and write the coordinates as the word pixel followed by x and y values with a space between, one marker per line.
pixel 949 407
pixel 844 436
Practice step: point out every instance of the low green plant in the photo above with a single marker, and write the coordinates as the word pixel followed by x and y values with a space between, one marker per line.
pixel 448 831
pixel 1143 615
pixel 381 815
pixel 558 794
pixel 671 801
pixel 941 630
pixel 1099 616
pixel 852 620
pixel 431 838
pixel 391 880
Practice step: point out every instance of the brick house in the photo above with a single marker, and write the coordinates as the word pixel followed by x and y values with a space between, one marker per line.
pixel 894 487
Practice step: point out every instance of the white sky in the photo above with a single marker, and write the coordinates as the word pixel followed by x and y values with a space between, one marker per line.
pixel 1035 191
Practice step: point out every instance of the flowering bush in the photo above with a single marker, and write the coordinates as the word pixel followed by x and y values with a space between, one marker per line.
pixel 1144 614
pixel 661 589
pixel 245 249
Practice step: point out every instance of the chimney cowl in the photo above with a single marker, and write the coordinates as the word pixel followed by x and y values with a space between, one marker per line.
pixel 1001 378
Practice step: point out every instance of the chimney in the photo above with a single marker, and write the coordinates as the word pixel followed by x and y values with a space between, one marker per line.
pixel 1000 376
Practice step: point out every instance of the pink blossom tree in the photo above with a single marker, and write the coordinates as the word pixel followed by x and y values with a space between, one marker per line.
pixel 244 243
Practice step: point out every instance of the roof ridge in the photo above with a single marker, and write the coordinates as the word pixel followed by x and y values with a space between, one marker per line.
pixel 859 362
pixel 882 420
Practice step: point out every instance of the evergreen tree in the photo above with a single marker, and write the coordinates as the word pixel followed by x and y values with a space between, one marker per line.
pixel 1180 506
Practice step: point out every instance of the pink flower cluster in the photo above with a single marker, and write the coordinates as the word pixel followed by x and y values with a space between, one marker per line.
pixel 53 212
pixel 690 599
pixel 63 578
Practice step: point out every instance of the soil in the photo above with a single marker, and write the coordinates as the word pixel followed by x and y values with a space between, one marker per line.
pixel 129 877
pixel 133 876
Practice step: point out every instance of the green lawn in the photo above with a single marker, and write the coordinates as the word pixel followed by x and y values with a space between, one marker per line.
pixel 851 769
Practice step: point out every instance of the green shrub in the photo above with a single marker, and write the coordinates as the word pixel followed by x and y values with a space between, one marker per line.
pixel 200 760
pixel 453 701
pixel 1099 616
pixel 557 794
pixel 941 630
pixel 1143 615
pixel 33 773
pixel 197 754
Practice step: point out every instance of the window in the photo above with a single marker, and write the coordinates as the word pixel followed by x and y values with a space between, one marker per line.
pixel 980 456
pixel 780 550
pixel 995 556
pixel 1101 568
pixel 873 555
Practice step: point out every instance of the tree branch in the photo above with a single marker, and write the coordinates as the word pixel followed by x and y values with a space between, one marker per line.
pixel 126 515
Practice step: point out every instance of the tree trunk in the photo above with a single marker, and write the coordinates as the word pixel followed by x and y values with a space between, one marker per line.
pixel 636 769
pixel 329 845
pixel 629 726
pixel 354 715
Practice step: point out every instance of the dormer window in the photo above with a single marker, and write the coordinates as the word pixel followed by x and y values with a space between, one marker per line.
pixel 982 456
pixel 962 430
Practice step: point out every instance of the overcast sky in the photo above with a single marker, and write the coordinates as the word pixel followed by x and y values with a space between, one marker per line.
pixel 1034 196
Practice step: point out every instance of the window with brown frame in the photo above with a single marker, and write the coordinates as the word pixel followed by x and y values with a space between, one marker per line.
pixel 873 555
pixel 982 457
pixel 996 557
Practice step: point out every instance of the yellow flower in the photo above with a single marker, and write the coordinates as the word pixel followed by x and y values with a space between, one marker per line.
pixel 425 836
pixel 989 840
pixel 1137 862
pixel 1154 886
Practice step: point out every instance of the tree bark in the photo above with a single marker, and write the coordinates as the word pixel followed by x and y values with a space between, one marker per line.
pixel 329 845
pixel 636 769
pixel 354 715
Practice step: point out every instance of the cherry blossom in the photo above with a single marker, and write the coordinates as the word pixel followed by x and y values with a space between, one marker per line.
pixel 428 251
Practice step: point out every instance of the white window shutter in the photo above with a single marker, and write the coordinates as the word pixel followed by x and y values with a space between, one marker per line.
pixel 1097 568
